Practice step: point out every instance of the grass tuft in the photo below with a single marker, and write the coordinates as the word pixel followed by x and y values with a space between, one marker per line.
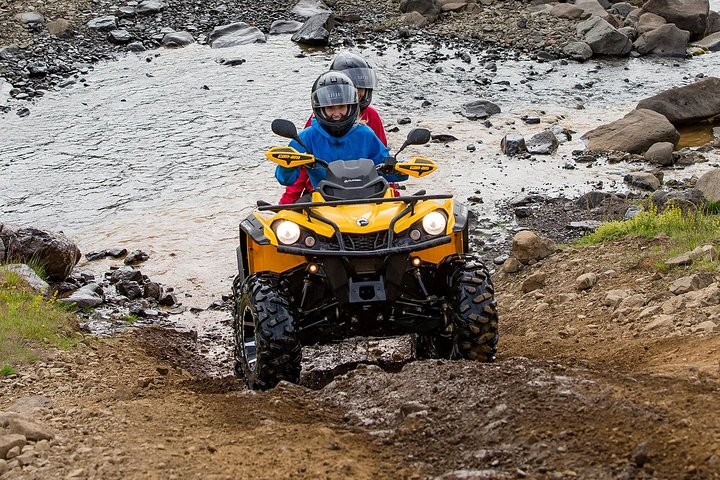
pixel 29 321
pixel 6 370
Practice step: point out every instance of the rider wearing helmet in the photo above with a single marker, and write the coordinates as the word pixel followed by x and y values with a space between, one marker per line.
pixel 364 79
pixel 334 133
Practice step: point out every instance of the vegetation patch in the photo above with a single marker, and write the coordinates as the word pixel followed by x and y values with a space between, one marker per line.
pixel 29 322
pixel 685 230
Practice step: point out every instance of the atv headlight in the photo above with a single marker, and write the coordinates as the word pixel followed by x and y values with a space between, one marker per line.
pixel 287 232
pixel 434 223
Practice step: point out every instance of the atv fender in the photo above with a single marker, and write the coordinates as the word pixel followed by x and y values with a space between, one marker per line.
pixel 462 216
pixel 250 227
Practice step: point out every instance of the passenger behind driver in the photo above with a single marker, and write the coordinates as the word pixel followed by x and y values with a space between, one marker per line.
pixel 334 133
pixel 364 79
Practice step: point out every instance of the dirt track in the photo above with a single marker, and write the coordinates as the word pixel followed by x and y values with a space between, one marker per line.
pixel 573 395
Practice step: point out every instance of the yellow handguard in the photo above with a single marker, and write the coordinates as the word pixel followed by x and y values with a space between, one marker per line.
pixel 289 157
pixel 416 167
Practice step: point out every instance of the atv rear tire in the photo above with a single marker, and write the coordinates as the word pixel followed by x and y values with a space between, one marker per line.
pixel 475 319
pixel 267 349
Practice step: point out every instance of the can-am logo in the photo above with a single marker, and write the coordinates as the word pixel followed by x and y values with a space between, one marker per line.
pixel 362 222
pixel 350 180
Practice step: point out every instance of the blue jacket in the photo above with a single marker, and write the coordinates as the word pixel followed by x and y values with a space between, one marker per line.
pixel 359 142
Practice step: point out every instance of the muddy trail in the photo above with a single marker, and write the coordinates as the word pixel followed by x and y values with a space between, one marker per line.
pixel 576 392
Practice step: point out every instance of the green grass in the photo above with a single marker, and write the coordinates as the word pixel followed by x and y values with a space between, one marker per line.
pixel 686 231
pixel 6 370
pixel 129 318
pixel 30 322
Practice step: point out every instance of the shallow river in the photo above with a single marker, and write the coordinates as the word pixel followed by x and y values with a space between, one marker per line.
pixel 163 151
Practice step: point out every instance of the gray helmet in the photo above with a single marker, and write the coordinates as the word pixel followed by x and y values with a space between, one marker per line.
pixel 335 88
pixel 361 73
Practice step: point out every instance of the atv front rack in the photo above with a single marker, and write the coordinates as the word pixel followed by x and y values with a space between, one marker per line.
pixel 409 199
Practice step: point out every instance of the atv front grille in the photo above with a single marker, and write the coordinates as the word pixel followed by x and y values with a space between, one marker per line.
pixel 358 242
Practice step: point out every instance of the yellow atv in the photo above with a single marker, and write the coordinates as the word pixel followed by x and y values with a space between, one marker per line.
pixel 357 261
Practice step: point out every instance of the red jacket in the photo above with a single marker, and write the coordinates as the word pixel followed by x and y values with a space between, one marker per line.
pixel 293 192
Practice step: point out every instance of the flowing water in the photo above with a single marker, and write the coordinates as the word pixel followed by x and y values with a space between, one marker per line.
pixel 163 151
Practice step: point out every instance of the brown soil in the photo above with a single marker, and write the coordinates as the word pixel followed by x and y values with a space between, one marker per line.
pixel 574 394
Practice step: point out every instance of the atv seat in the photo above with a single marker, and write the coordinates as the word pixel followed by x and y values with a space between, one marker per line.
pixel 352 180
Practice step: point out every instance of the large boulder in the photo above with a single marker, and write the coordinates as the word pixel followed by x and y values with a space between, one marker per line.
pixel 528 246
pixel 690 15
pixel 603 38
pixel 310 8
pixel 592 8
pixel 233 34
pixel 664 40
pixel 479 109
pixel 56 253
pixel 687 105
pixel 316 30
pixel 571 12
pixel 634 133
pixel 649 21
pixel 709 185
pixel 711 42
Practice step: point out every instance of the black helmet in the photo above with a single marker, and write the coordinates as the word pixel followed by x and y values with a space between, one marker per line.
pixel 361 73
pixel 335 88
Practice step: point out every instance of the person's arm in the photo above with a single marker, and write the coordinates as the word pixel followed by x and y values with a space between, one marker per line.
pixel 288 176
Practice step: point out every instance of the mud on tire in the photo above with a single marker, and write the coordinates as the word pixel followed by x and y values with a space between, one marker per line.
pixel 266 346
pixel 474 312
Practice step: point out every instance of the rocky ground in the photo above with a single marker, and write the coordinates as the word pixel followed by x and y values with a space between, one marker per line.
pixel 619 380
pixel 57 52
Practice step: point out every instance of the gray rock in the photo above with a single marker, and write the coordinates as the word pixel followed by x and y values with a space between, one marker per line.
pixel 149 7
pixel 28 429
pixel 411 407
pixel 709 185
pixel 120 36
pixel 310 8
pixel 414 19
pixel 239 33
pixel 10 441
pixel 31 18
pixel 534 282
pixel 543 143
pixel 130 289
pixel 177 39
pixel 603 38
pixel 84 297
pixel 665 40
pixel 316 30
pixel 586 281
pixel 58 27
pixel 479 109
pixel 635 133
pixel 644 180
pixel 512 265
pixel 649 22
pixel 29 275
pixel 690 15
pixel 27 405
pixel 713 23
pixel 284 26
pixel 125 12
pixel 687 105
pixel 687 200
pixel 136 47
pixel 126 273
pixel 565 10
pixel 579 51
pixel 711 42
pixel 592 8
pixel 690 283
pixel 527 246
pixel 103 24
pixel 56 253
pixel 660 153
pixel 423 7
pixel 585 225
pixel 622 9
pixel 512 144
pixel 3 467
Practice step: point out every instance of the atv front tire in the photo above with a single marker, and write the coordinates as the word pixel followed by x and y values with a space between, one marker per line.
pixel 267 349
pixel 474 312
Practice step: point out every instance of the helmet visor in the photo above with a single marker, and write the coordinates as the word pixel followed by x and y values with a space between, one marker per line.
pixel 340 94
pixel 362 77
